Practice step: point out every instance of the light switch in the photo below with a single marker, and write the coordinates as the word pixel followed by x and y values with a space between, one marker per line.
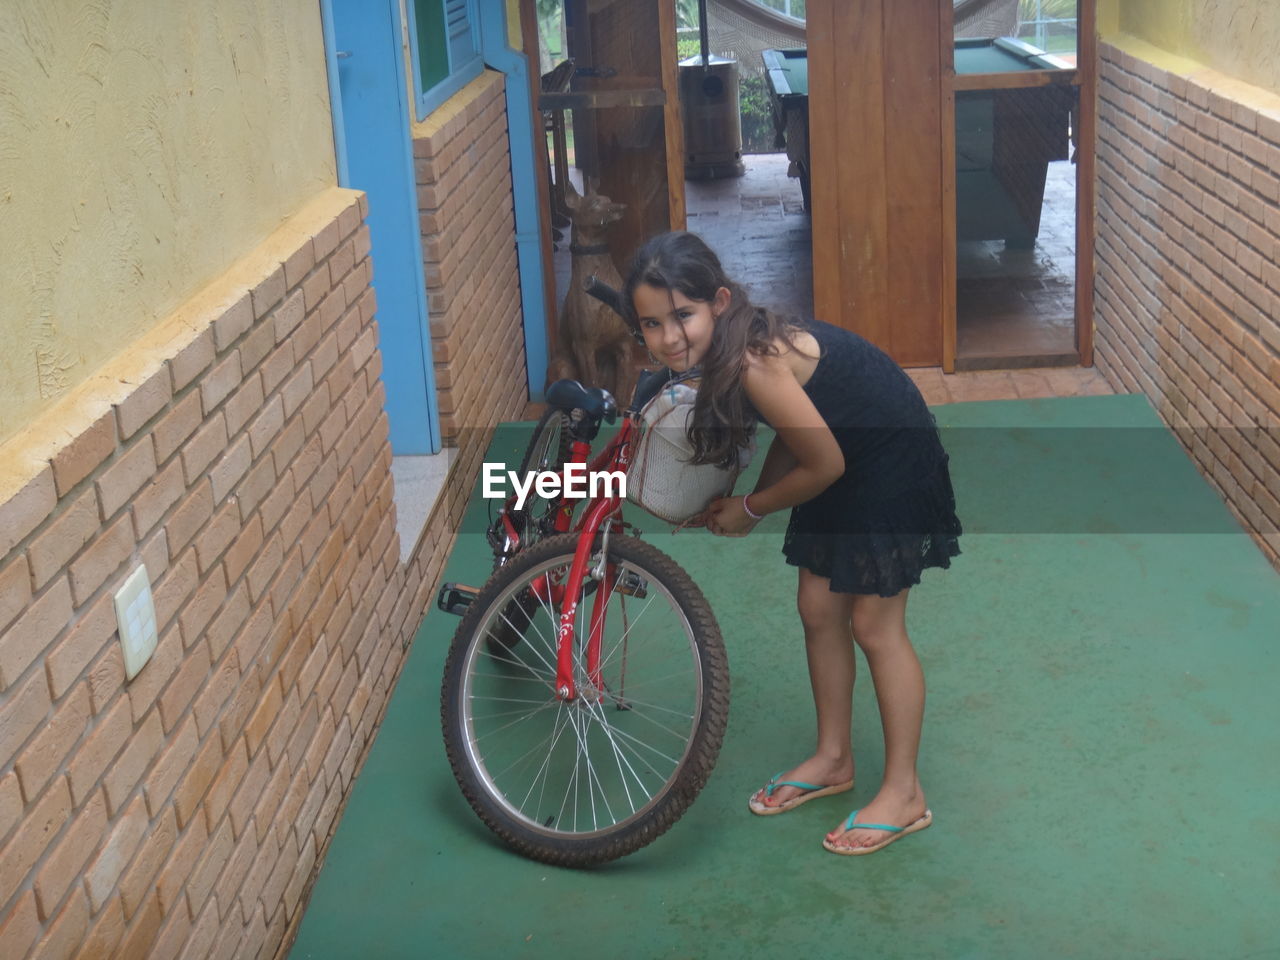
pixel 136 616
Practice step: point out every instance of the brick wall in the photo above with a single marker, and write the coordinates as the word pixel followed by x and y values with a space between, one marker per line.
pixel 246 463
pixel 463 164
pixel 241 453
pixel 1188 269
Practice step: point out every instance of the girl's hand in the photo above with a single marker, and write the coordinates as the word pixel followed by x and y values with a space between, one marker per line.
pixel 727 518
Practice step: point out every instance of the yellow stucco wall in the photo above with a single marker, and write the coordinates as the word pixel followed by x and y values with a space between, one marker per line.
pixel 514 38
pixel 1239 38
pixel 144 147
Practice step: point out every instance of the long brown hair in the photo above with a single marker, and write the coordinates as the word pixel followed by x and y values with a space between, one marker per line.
pixel 723 419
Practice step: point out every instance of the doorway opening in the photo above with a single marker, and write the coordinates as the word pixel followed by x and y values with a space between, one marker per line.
pixel 1016 132
pixel 756 220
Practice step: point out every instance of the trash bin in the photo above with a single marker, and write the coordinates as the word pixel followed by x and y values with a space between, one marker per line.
pixel 712 122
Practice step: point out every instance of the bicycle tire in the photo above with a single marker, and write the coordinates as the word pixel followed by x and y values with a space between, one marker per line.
pixel 548 450
pixel 665 762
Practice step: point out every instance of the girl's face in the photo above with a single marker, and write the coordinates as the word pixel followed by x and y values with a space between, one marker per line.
pixel 677 330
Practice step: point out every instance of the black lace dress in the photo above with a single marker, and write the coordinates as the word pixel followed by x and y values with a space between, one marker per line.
pixel 893 512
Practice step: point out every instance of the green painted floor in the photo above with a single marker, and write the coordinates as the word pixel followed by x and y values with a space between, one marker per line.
pixel 1101 748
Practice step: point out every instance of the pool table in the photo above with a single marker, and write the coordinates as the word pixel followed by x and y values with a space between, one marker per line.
pixel 1006 133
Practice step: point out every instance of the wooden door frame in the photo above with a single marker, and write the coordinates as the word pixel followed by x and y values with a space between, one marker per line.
pixel 947 68
pixel 1085 82
pixel 824 216
pixel 1086 173
pixel 673 121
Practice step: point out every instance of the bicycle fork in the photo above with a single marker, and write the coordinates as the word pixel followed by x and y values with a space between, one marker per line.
pixel 606 575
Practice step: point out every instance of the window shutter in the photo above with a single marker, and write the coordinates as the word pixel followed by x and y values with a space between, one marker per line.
pixel 463 48
pixel 447 49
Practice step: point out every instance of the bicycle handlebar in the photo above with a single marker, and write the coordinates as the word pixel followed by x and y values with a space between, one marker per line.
pixel 610 297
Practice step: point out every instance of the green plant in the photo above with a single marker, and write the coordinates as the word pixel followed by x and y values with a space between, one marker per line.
pixel 758 135
pixel 686 14
pixel 550 33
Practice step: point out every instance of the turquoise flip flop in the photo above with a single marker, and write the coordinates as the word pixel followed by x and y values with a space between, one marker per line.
pixel 813 792
pixel 895 833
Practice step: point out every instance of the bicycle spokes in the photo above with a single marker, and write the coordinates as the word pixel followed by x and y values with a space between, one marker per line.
pixel 595 775
pixel 590 763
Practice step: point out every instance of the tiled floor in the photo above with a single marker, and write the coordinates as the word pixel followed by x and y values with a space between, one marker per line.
pixel 1024 384
pixel 1017 307
pixel 757 225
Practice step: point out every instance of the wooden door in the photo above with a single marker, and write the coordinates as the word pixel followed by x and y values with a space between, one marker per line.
pixel 875 134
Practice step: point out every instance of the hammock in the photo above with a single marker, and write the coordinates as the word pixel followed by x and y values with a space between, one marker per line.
pixel 743 28
pixel 986 18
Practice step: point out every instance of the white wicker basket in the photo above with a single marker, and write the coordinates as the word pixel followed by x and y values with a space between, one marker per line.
pixel 661 479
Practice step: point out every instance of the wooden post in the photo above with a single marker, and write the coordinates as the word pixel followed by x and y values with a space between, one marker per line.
pixel 875 141
pixel 915 151
pixel 947 58
pixel 1086 186
pixel 673 121
pixel 824 197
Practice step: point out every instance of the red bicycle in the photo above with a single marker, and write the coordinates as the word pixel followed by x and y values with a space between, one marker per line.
pixel 586 691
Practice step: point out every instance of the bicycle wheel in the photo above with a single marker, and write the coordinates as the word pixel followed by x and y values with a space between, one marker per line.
pixel 547 451
pixel 587 781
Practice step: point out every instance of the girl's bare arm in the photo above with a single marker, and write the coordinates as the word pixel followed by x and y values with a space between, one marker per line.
pixel 810 459
pixel 778 461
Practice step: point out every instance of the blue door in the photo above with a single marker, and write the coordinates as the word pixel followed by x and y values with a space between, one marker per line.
pixel 371 132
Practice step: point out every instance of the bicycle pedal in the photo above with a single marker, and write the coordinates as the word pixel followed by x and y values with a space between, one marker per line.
pixel 455 598
pixel 631 584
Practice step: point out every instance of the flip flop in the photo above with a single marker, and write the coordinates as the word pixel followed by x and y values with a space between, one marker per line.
pixel 895 833
pixel 812 792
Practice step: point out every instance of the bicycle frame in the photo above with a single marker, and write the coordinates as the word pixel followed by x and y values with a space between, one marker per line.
pixel 598 512
pixel 537 589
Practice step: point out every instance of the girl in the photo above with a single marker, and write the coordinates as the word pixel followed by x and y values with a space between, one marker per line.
pixel 858 459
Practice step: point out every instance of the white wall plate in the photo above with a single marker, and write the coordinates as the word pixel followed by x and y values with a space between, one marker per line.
pixel 136 615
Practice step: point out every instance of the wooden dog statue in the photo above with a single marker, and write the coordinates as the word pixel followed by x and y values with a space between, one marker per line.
pixel 595 344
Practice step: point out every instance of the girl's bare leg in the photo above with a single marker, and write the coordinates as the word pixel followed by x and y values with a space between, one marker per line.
pixel 880 629
pixel 828 634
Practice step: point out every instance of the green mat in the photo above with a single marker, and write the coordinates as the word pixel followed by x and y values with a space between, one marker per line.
pixel 1099 752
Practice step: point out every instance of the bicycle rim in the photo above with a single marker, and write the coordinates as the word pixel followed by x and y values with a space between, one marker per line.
pixel 616 761
pixel 547 452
